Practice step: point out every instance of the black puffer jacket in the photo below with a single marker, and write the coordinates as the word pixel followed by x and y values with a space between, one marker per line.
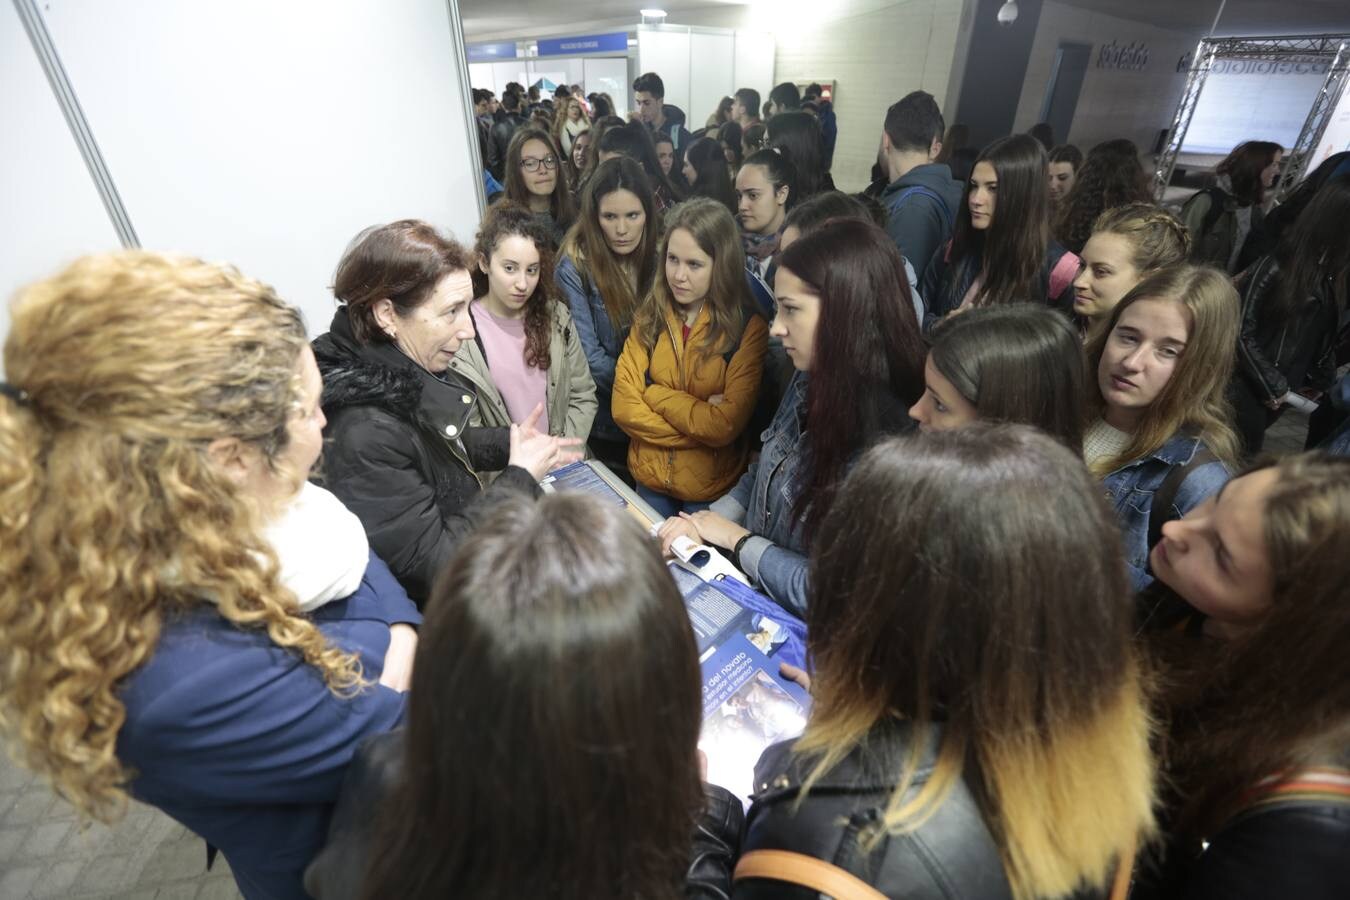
pixel 377 766
pixel 952 856
pixel 1275 357
pixel 399 453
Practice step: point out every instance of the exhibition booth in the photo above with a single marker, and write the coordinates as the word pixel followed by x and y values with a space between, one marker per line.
pixel 1290 90
pixel 699 66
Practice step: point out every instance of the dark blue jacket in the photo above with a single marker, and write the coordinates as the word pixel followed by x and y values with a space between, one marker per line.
pixel 242 741
pixel 921 208
pixel 1132 486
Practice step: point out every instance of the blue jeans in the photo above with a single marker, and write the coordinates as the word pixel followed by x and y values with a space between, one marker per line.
pixel 669 506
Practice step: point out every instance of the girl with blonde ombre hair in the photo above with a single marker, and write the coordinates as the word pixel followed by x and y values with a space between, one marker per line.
pixel 687 380
pixel 979 725
pixel 160 418
pixel 1159 435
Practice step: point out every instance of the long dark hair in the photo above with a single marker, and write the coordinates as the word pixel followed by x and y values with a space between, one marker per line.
pixel 798 135
pixel 730 136
pixel 1022 364
pixel 975 577
pixel 553 718
pixel 621 283
pixel 1244 709
pixel 1110 176
pixel 868 355
pixel 1265 238
pixel 1314 253
pixel 560 202
pixel 710 164
pixel 1012 249
pixel 635 142
pixel 508 219
pixel 1244 166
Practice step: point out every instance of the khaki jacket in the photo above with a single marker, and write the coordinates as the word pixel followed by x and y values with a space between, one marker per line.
pixel 571 391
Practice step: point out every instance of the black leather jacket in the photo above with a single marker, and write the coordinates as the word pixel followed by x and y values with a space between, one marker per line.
pixel 339 869
pixel 952 856
pixel 1300 351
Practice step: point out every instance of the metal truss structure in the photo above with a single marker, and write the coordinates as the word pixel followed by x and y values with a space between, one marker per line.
pixel 1331 48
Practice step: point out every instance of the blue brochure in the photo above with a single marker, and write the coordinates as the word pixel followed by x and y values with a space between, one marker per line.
pixel 747 704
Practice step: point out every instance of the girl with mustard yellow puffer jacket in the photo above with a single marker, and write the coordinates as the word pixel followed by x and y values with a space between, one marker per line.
pixel 689 375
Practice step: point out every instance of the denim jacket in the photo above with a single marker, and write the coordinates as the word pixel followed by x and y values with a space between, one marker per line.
pixel 601 341
pixel 1132 486
pixel 762 502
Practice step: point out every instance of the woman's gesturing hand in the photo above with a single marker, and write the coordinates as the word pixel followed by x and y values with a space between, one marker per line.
pixel 539 453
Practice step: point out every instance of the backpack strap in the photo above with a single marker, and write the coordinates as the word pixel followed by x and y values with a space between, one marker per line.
pixel 1326 786
pixel 924 191
pixel 1062 275
pixel 1166 494
pixel 1218 200
pixel 807 871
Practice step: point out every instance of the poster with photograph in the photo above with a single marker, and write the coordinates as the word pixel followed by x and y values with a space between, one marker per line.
pixel 747 704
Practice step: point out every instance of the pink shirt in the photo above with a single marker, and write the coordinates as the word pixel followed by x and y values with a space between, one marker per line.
pixel 522 387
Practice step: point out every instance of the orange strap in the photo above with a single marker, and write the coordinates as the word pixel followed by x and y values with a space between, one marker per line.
pixel 807 871
pixel 829 879
pixel 1120 888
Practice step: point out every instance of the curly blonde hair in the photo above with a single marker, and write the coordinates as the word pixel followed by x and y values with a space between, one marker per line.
pixel 111 513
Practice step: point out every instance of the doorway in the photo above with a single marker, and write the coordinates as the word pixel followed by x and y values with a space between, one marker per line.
pixel 1066 80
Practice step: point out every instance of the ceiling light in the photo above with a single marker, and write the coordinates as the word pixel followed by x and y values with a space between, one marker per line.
pixel 1007 13
pixel 652 13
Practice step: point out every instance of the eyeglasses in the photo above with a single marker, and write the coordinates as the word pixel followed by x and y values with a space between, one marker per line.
pixel 531 164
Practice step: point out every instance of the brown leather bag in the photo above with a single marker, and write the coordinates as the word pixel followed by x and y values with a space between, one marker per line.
pixel 829 879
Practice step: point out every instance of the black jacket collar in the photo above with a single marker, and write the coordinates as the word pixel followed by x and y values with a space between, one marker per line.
pixel 380 375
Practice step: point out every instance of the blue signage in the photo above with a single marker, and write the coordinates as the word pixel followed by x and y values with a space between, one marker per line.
pixel 488 52
pixel 585 43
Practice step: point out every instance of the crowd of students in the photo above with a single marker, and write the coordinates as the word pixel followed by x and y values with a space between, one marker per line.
pixel 991 439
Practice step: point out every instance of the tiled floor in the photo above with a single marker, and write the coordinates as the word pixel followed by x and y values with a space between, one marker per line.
pixel 44 853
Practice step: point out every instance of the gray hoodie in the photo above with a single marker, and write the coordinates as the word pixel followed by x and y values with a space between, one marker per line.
pixel 917 222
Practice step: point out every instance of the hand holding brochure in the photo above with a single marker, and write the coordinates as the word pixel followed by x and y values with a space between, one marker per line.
pixel 747 704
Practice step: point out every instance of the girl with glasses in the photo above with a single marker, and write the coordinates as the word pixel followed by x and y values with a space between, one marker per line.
pixel 535 179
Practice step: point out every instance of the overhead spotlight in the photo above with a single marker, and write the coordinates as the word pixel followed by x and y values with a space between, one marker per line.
pixel 652 16
pixel 1007 13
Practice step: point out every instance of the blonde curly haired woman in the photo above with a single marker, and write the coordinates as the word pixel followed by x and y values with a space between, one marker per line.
pixel 159 416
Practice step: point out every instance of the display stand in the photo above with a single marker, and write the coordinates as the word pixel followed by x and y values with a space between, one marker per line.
pixel 1331 48
pixel 743 638
pixel 716 564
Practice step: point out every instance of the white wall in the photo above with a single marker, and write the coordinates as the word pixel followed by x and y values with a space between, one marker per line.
pixel 1113 103
pixel 875 56
pixel 267 138
pixel 50 211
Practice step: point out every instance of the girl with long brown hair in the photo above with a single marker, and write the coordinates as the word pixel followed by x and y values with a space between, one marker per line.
pixel 1222 216
pixel 1159 437
pixel 973 734
pixel 1001 250
pixel 551 747
pixel 848 325
pixel 160 416
pixel 689 375
pixel 537 179
pixel 1256 687
pixel 524 351
pixel 606 265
